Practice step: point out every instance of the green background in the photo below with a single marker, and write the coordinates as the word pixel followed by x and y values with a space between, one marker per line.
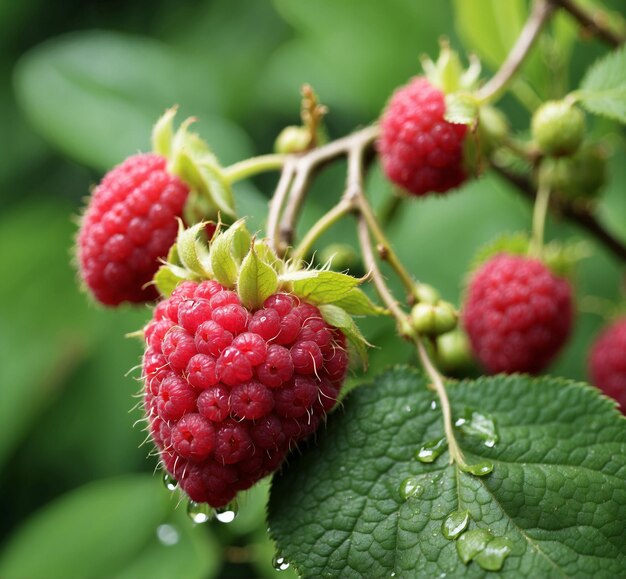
pixel 81 83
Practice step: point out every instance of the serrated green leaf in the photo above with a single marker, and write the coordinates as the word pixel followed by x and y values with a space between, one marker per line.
pixel 257 280
pixel 191 252
pixel 461 108
pixel 603 90
pixel 320 286
pixel 556 494
pixel 356 303
pixel 338 317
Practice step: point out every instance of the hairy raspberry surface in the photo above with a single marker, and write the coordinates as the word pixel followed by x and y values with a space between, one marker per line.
pixel 229 391
pixel 420 151
pixel 517 314
pixel 129 224
pixel 607 362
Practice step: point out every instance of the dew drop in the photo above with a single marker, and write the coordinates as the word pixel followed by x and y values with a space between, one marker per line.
pixel 481 468
pixel 433 405
pixel 167 535
pixel 228 513
pixel 490 442
pixel 410 488
pixel 280 563
pixel 169 482
pixel 199 512
pixel 431 450
pixel 455 523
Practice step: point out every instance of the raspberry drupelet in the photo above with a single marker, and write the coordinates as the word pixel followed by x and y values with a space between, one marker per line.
pixel 419 149
pixel 129 224
pixel 607 362
pixel 517 314
pixel 229 391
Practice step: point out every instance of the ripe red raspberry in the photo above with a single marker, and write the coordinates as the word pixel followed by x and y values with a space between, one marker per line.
pixel 229 391
pixel 420 151
pixel 128 225
pixel 607 362
pixel 517 314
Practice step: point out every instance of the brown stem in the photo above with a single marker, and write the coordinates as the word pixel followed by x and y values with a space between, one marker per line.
pixel 577 214
pixel 594 22
pixel 276 204
pixel 539 15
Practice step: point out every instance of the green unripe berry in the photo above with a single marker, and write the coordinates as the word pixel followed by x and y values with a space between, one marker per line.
pixel 581 176
pixel 292 139
pixel 426 293
pixel 433 319
pixel 453 351
pixel 558 128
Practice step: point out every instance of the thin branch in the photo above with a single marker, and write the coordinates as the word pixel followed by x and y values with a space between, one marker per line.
pixel 577 214
pixel 539 15
pixel 594 22
pixel 277 202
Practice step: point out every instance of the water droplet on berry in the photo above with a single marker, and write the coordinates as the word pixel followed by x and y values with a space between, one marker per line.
pixel 199 512
pixel 280 563
pixel 170 483
pixel 167 535
pixel 410 488
pixel 431 450
pixel 228 513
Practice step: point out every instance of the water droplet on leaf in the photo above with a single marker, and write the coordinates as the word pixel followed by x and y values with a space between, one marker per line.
pixel 431 450
pixel 478 469
pixel 433 405
pixel 170 483
pixel 199 512
pixel 479 425
pixel 410 488
pixel 492 557
pixel 280 563
pixel 167 535
pixel 228 513
pixel 455 524
pixel 471 543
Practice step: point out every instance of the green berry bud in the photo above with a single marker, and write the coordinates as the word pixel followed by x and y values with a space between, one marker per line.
pixel 453 351
pixel 581 176
pixel 433 319
pixel 558 128
pixel 292 139
pixel 426 293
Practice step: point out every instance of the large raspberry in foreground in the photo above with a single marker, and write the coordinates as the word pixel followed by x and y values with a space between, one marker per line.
pixel 517 314
pixel 229 391
pixel 420 151
pixel 607 362
pixel 129 224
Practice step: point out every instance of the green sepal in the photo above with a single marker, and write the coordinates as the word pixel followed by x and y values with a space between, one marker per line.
pixel 163 133
pixel 357 303
pixel 320 286
pixel 471 543
pixel 192 254
pixel 257 279
pixel 510 243
pixel 166 280
pixel 461 109
pixel 228 250
pixel 217 187
pixel 339 318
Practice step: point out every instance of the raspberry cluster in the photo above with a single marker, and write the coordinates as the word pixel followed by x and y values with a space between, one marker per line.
pixel 517 314
pixel 419 149
pixel 129 224
pixel 228 391
pixel 607 362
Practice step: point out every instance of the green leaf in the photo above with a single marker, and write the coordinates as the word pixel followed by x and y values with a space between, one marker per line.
pixel 166 279
pixel 335 316
pixel 257 280
pixel 320 286
pixel 603 90
pixel 461 108
pixel 93 532
pixel 556 496
pixel 191 252
pixel 226 252
pixel 357 303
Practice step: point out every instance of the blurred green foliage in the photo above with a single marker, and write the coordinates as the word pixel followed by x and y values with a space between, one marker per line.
pixel 81 83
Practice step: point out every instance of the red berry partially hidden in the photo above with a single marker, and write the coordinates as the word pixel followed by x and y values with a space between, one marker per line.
pixel 517 314
pixel 229 391
pixel 419 149
pixel 129 224
pixel 607 362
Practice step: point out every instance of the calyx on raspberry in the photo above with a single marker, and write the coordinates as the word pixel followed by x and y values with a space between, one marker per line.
pixel 517 314
pixel 420 149
pixel 244 358
pixel 130 221
pixel 607 361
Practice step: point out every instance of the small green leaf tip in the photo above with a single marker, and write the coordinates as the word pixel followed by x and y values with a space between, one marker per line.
pixel 257 279
pixel 448 74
